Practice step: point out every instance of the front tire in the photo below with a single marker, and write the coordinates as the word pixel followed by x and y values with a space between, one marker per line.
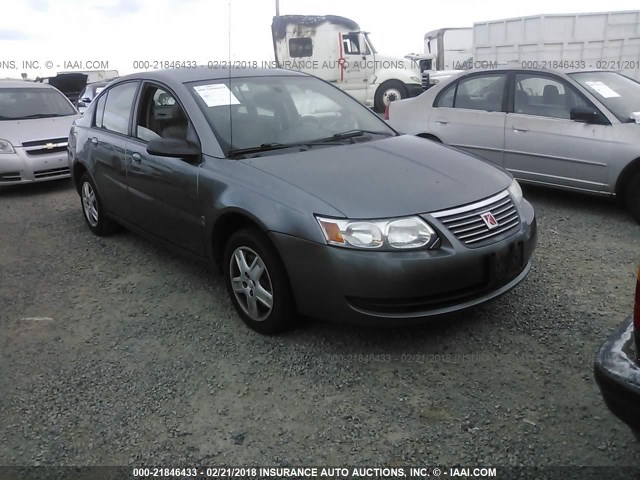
pixel 389 91
pixel 257 282
pixel 92 208
pixel 632 196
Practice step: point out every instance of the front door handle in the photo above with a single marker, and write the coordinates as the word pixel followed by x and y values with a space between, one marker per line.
pixel 136 157
pixel 94 140
pixel 520 130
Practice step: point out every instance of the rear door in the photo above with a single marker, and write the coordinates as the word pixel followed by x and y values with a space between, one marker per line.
pixel 163 191
pixel 108 146
pixel 543 145
pixel 470 114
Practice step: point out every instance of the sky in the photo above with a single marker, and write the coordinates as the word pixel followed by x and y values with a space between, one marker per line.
pixel 122 33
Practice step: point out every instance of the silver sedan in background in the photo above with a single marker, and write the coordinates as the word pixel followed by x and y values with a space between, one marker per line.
pixel 35 119
pixel 576 131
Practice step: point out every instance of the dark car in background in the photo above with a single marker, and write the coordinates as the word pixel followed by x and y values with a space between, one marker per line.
pixel 617 368
pixel 88 94
pixel 306 200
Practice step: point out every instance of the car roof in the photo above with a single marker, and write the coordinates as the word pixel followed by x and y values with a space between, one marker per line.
pixel 23 84
pixel 502 68
pixel 200 73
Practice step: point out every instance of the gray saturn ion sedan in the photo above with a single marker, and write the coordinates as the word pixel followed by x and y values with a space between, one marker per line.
pixel 305 199
pixel 34 125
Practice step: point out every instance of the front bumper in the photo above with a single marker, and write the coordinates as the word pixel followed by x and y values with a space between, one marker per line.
pixel 395 288
pixel 21 167
pixel 618 375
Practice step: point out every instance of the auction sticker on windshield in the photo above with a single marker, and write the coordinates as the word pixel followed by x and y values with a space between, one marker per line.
pixel 216 94
pixel 602 89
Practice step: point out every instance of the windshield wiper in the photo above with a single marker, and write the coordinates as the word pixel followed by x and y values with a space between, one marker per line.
pixel 42 115
pixel 356 133
pixel 267 147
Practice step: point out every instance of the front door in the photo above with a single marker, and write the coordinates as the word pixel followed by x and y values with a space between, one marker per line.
pixel 543 145
pixel 356 68
pixel 163 191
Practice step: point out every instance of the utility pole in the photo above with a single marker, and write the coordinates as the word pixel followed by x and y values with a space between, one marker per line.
pixel 277 8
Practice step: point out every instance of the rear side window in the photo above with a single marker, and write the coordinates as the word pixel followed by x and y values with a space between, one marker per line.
pixel 478 92
pixel 118 107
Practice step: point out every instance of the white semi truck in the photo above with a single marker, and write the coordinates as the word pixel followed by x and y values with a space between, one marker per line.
pixel 583 41
pixel 335 49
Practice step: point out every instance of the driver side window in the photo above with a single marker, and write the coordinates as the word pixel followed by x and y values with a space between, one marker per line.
pixel 544 96
pixel 160 116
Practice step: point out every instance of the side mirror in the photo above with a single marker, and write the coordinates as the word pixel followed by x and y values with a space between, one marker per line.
pixel 585 114
pixel 175 148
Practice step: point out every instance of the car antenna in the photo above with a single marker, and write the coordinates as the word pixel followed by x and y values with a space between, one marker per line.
pixel 229 75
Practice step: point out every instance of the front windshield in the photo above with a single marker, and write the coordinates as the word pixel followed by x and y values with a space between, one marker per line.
pixel 373 49
pixel 618 93
pixel 255 111
pixel 22 103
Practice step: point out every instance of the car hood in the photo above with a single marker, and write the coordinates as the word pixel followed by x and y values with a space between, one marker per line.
pixel 69 82
pixel 405 62
pixel 19 131
pixel 396 176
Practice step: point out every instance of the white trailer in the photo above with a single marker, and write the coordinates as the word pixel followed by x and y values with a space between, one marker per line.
pixel 582 41
pixel 336 49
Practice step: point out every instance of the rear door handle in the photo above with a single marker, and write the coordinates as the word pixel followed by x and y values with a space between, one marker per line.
pixel 442 122
pixel 136 157
pixel 520 130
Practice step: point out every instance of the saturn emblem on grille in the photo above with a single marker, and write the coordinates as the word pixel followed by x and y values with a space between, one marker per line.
pixel 489 220
pixel 49 146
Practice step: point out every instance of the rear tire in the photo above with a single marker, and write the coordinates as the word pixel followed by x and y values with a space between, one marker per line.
pixel 257 282
pixel 92 208
pixel 632 196
pixel 391 90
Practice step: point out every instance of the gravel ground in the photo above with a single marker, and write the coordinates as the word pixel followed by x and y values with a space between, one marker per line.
pixel 142 359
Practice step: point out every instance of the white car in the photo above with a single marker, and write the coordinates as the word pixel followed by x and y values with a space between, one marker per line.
pixel 576 131
pixel 35 120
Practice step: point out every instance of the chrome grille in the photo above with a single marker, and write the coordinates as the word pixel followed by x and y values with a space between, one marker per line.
pixel 51 172
pixel 468 225
pixel 44 147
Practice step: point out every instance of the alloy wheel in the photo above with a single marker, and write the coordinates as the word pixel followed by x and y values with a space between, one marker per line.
pixel 251 283
pixel 90 204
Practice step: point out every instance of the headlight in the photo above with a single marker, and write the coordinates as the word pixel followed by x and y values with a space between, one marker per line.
pixel 6 147
pixel 400 233
pixel 516 192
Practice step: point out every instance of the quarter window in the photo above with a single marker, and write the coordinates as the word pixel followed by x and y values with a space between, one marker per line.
pixel 446 98
pixel 117 109
pixel 100 111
